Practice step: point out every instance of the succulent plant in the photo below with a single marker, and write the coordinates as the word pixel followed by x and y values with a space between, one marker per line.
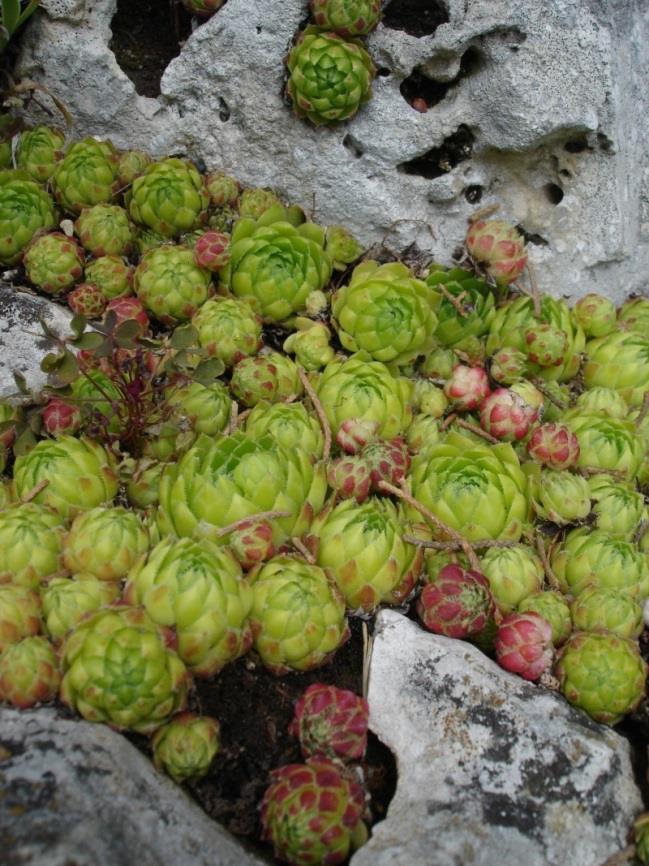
pixel 423 433
pixel 498 246
pixel 252 542
pixel 348 18
pixel 270 377
pixel 255 201
pixel 112 276
pixel 53 262
pixel 602 674
pixel 38 150
pixel 617 507
pixel 114 646
pixel 465 308
pixel 228 328
pixel 606 444
pixel 20 614
pixel 170 284
pixel 289 424
pixel 601 401
pixel 456 603
pixel 561 497
pixel 169 197
pixel 30 544
pixel 523 644
pixel 79 474
pixel 467 387
pixel 619 361
pixel 60 417
pixel 385 312
pixel 131 164
pixel 203 8
pixel 298 615
pixel 86 175
pixel 186 746
pixel 212 251
pixel 388 460
pixel 25 209
pixel 349 476
pixel 66 601
pixel 611 610
pixel 311 346
pixel 634 316
pixel 553 607
pixel 428 399
pixel 514 573
pixel 29 672
pixel 508 366
pixel 222 189
pixel 313 813
pixel 342 246
pixel 505 415
pixel 554 446
pixel 105 542
pixel 87 300
pixel 331 723
pixel 329 77
pixel 104 230
pixel 595 314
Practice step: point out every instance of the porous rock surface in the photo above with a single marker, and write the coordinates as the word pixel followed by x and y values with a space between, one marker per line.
pixel 76 793
pixel 541 107
pixel 22 340
pixel 493 771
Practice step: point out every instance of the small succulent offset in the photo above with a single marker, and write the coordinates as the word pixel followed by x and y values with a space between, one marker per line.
pixel 332 723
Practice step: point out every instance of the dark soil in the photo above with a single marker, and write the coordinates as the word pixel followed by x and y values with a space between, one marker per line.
pixel 254 709
pixel 147 35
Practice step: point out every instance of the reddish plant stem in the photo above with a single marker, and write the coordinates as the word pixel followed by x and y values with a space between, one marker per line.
pixel 317 405
pixel 33 493
pixel 304 551
pixel 446 423
pixel 477 430
pixel 549 573
pixel 454 545
pixel 457 303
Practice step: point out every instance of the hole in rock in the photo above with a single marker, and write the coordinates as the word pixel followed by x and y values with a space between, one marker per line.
pixel 605 143
pixel 224 110
pixel 472 61
pixel 473 193
pixel 532 237
pixel 383 72
pixel 416 17
pixel 254 709
pixel 417 87
pixel 353 146
pixel 147 35
pixel 553 192
pixel 576 145
pixel 439 160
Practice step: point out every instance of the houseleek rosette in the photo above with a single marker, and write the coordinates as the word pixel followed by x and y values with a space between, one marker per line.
pixel 66 601
pixel 198 589
pixel 618 508
pixel 216 484
pixel 186 746
pixel 25 208
pixel 347 17
pixel 169 198
pixel 362 547
pixel 385 312
pixel 87 175
pixel 477 490
pixel 106 542
pixel 80 474
pixel 606 444
pixel 289 424
pixel 276 263
pixel 329 77
pixel 39 150
pixel 619 361
pixel 118 669
pixel 228 329
pixel 298 615
pixel 513 320
pixel 31 537
pixel 589 556
pixel 358 387
pixel 473 298
pixel 170 284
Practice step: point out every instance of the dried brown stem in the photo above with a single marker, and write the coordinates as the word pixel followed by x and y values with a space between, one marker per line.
pixel 33 493
pixel 446 423
pixel 234 414
pixel 541 386
pixel 317 405
pixel 643 411
pixel 241 417
pixel 457 303
pixel 534 291
pixel 620 857
pixel 549 573
pixel 303 550
pixel 477 430
pixel 463 543
pixel 640 532
pixel 261 515
pixel 483 212
pixel 588 471
pixel 454 545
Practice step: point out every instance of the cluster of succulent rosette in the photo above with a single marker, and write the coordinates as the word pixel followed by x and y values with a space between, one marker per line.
pixel 255 432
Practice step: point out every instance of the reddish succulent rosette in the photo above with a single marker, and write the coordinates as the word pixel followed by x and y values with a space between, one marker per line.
pixel 61 418
pixel 87 300
pixel 554 445
pixel 355 433
pixel 350 477
pixel 387 461
pixel 500 247
pixel 252 542
pixel 523 645
pixel 128 309
pixel 458 603
pixel 212 251
pixel 467 387
pixel 505 415
pixel 331 722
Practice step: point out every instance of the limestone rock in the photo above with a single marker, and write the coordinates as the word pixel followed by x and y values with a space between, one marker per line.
pixel 74 792
pixel 21 349
pixel 539 106
pixel 492 769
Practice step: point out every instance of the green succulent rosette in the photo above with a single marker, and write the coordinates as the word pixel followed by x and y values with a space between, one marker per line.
pixel 560 496
pixel 25 208
pixel 169 198
pixel 222 189
pixel 271 377
pixel 20 614
pixel 359 387
pixel 297 616
pixel 618 508
pixel 329 77
pixel 31 539
pixel 619 361
pixel 477 490
pixel 112 276
pixel 428 399
pixel 602 674
pixel 607 610
pixel 228 328
pixel 634 316
pixel 602 401
pixel 53 262
pixel 310 345
pixel 472 296
pixel 589 556
pixel 29 673
pixel 641 837
pixel 289 424
pixel 104 230
pixel 385 312
pixel 207 408
pixel 554 608
pixel 423 434
pixel 66 601
pixel 118 669
pixel 80 474
pixel 276 264
pixel 512 321
pixel 105 542
pixel 87 175
pixel 186 746
pixel 198 589
pixel 217 483
pixel 255 201
pixel 514 574
pixel 170 284
pixel 38 151
pixel 362 547
pixel 342 246
pixel 132 163
pixel 595 314
pixel 142 481
pixel 606 444
pixel 348 18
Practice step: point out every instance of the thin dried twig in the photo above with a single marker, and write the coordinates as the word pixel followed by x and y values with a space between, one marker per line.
pixel 540 385
pixel 477 430
pixel 642 414
pixel 252 518
pixel 457 302
pixel 33 493
pixel 317 405
pixel 483 212
pixel 241 417
pixel 551 576
pixel 447 421
pixel 368 640
pixel 640 532
pixel 303 550
pixel 534 291
pixel 234 412
pixel 464 544
pixel 454 545
pixel 588 471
